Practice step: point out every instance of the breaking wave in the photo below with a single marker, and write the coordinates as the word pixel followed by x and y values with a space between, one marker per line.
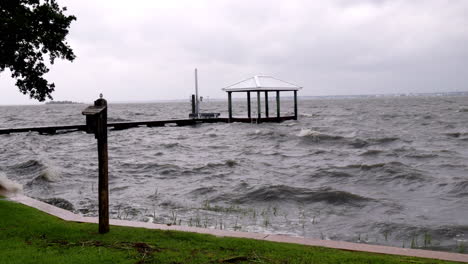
pixel 8 187
pixel 317 136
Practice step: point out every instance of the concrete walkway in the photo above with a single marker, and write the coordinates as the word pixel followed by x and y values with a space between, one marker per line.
pixel 69 216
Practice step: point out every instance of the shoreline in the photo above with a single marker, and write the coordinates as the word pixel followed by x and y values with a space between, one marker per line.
pixel 71 217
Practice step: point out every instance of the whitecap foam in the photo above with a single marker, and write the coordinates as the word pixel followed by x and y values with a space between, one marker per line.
pixel 306 132
pixel 8 186
pixel 316 136
pixel 50 174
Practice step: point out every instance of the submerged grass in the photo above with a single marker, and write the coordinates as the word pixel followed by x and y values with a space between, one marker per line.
pixel 30 236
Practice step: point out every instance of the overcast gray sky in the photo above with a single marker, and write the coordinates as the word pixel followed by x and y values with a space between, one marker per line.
pixel 147 50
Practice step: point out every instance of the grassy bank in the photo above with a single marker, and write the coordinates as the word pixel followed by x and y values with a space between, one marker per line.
pixel 30 236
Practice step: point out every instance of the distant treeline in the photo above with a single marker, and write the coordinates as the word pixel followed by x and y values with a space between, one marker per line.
pixel 62 102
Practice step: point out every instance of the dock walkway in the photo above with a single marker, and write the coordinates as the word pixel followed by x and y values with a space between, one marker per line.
pixel 125 125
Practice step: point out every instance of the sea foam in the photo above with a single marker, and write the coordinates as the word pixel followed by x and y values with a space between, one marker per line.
pixel 8 187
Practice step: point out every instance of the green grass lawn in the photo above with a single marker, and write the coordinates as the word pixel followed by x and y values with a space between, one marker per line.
pixel 30 236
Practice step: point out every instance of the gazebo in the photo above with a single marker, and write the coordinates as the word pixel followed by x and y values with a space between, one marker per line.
pixel 265 84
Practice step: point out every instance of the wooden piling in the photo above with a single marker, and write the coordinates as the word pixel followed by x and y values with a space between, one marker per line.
pixel 193 104
pixel 295 105
pixel 230 105
pixel 259 108
pixel 96 122
pixel 103 157
pixel 249 114
pixel 278 105
pixel 266 104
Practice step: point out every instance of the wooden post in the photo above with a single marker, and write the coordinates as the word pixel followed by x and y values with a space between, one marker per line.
pixel 259 108
pixel 278 105
pixel 295 105
pixel 193 105
pixel 266 104
pixel 249 114
pixel 103 184
pixel 96 122
pixel 230 106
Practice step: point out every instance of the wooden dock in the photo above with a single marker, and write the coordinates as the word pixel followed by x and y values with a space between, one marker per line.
pixel 51 130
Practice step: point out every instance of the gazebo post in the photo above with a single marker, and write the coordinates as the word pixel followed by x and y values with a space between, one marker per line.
pixel 278 105
pixel 266 104
pixel 259 108
pixel 230 106
pixel 249 115
pixel 295 105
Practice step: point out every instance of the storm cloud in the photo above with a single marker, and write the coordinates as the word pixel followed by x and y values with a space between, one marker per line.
pixel 146 50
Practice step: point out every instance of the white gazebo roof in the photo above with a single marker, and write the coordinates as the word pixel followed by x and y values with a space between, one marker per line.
pixel 262 83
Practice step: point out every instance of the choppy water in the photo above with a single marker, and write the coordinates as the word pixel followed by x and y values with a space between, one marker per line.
pixel 389 171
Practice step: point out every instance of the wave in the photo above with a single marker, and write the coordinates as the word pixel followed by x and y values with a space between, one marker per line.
pixel 283 193
pixel 27 165
pixel 172 145
pixel 390 172
pixel 202 191
pixel 422 155
pixel 211 135
pixel 46 176
pixel 359 143
pixel 35 170
pixel 8 186
pixel 460 189
pixel 332 174
pixel 49 174
pixel 371 152
pixel 316 135
pixel 367 166
pixel 385 140
pixel 458 135
pixel 215 165
pixel 152 168
pixel 271 134
pixel 119 188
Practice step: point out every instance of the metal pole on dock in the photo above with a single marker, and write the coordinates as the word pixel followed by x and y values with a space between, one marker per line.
pixel 266 104
pixel 295 105
pixel 197 107
pixel 278 105
pixel 193 105
pixel 230 106
pixel 249 114
pixel 259 107
pixel 96 122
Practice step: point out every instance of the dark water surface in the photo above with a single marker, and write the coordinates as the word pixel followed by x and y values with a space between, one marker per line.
pixel 388 170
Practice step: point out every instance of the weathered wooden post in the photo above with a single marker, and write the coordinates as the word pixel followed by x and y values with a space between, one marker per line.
pixel 259 108
pixel 96 122
pixel 249 114
pixel 230 106
pixel 295 105
pixel 194 106
pixel 266 104
pixel 278 105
